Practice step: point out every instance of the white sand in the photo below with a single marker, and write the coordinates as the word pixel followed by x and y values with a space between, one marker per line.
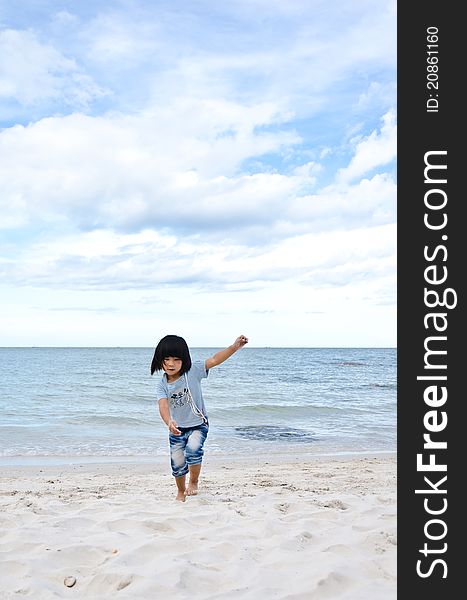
pixel 326 529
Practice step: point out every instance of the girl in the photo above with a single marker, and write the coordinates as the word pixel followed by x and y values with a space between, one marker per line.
pixel 181 405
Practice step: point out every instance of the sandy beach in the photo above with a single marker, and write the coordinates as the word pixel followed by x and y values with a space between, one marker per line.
pixel 272 528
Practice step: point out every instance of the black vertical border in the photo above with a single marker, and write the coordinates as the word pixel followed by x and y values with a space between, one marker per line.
pixel 420 131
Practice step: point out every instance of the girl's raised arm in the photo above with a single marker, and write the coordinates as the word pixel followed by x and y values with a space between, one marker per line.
pixel 223 355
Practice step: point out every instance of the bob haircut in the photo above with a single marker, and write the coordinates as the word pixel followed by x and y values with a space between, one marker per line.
pixel 171 345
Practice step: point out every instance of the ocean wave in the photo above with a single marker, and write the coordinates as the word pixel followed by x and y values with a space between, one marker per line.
pixel 351 363
pixel 85 450
pixel 104 420
pixel 284 409
pixel 389 386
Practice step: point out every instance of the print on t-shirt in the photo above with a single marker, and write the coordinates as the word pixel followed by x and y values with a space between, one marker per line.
pixel 179 398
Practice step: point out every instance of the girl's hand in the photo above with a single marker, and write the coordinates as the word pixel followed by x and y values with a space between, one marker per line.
pixel 173 428
pixel 240 341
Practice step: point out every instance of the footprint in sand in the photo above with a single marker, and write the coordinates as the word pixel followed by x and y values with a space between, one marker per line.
pixel 283 507
pixel 340 549
pixel 336 504
pixel 330 586
pixel 158 526
pixel 109 582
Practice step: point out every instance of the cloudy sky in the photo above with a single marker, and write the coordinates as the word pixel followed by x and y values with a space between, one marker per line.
pixel 204 168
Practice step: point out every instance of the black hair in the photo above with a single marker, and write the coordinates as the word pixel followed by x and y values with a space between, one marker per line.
pixel 171 345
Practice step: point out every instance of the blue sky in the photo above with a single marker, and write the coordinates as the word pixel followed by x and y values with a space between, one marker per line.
pixel 202 168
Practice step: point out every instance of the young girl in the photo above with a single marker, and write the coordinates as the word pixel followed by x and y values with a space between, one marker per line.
pixel 181 405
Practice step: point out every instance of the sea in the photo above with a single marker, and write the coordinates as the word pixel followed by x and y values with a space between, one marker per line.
pixel 69 405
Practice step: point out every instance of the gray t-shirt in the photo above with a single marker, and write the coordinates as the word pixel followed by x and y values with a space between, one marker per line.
pixel 176 393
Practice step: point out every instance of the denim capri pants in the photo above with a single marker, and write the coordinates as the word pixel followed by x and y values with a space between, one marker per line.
pixel 187 449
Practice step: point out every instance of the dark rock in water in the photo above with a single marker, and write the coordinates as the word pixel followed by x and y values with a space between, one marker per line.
pixel 274 432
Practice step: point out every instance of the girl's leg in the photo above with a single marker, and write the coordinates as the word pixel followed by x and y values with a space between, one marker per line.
pixel 181 489
pixel 192 488
pixel 194 452
pixel 178 463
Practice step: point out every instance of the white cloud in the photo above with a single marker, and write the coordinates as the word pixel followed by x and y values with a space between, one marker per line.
pixel 373 151
pixel 64 18
pixel 116 39
pixel 130 171
pixel 102 260
pixel 345 206
pixel 168 170
pixel 32 73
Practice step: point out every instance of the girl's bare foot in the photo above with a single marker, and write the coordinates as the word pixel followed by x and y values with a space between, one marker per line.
pixel 181 496
pixel 192 489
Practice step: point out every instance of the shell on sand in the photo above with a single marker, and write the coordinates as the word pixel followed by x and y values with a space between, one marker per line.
pixel 69 581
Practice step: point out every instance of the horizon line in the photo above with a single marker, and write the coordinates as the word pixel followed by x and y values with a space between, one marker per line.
pixel 202 347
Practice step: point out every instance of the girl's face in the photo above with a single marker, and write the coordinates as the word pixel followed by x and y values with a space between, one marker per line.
pixel 172 367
